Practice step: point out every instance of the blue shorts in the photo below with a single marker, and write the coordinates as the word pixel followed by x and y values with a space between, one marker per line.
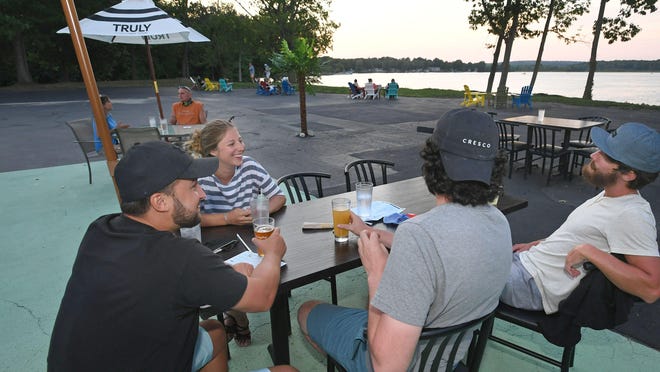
pixel 203 350
pixel 340 331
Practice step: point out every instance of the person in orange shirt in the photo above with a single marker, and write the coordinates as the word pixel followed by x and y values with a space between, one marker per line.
pixel 187 111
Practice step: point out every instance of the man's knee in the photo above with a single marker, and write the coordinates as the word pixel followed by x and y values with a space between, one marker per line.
pixel 303 313
pixel 216 331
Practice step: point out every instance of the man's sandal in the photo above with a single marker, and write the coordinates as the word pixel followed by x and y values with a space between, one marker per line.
pixel 241 333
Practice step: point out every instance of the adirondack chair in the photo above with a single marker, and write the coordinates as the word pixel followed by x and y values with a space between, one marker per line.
pixel 210 85
pixel 525 98
pixel 355 94
pixel 392 91
pixel 287 88
pixel 224 86
pixel 471 98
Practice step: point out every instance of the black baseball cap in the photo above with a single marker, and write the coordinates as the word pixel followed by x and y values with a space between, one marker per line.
pixel 149 167
pixel 468 142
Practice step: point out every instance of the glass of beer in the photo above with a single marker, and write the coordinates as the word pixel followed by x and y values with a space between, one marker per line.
pixel 263 228
pixel 341 214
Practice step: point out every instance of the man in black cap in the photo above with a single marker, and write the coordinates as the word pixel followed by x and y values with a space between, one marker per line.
pixel 132 301
pixel 617 220
pixel 446 266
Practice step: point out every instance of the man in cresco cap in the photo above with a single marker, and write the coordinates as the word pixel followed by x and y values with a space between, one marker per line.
pixel 132 301
pixel 445 267
pixel 617 220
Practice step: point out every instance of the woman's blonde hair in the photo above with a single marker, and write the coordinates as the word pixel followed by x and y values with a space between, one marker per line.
pixel 204 141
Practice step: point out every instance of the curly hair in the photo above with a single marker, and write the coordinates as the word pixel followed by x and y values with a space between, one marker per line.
pixel 204 141
pixel 462 192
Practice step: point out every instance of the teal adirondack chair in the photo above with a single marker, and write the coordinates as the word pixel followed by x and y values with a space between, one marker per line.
pixel 224 86
pixel 392 91
pixel 525 98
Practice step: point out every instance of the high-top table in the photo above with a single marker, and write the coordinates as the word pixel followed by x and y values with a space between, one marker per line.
pixel 567 125
pixel 313 255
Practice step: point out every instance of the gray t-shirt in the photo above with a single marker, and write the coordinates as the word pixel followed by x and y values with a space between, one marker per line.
pixel 446 267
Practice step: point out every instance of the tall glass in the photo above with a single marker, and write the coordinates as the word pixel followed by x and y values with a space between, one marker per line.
pixel 363 191
pixel 341 214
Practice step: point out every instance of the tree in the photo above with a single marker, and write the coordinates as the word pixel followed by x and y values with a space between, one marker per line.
pixel 304 61
pixel 615 29
pixel 291 19
pixel 565 12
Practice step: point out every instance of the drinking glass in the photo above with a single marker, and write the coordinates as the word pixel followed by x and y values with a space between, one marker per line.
pixel 194 232
pixel 364 192
pixel 263 228
pixel 341 214
pixel 541 115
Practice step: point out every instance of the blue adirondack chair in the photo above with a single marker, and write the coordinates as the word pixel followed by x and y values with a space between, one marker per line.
pixel 287 88
pixel 224 86
pixel 355 94
pixel 525 98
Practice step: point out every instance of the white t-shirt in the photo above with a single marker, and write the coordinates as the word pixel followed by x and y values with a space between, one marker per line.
pixel 622 225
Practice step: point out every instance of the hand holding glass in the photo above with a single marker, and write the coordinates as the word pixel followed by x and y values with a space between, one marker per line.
pixel 263 228
pixel 341 214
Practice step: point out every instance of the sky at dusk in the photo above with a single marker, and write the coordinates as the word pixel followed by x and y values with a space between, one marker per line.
pixel 439 29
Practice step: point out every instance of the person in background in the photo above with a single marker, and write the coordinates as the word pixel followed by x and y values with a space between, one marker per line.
pixel 187 111
pixel 445 267
pixel 357 86
pixel 267 71
pixel 229 191
pixel 132 301
pixel 617 220
pixel 252 72
pixel 392 84
pixel 112 124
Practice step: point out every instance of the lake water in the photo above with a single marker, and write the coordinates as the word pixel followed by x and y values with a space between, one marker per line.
pixel 632 87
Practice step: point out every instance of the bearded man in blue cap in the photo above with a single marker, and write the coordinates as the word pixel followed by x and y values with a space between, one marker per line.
pixel 616 221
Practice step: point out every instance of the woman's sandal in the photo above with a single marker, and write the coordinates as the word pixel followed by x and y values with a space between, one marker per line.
pixel 241 333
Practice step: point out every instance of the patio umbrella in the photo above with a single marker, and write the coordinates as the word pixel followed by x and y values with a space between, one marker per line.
pixel 138 22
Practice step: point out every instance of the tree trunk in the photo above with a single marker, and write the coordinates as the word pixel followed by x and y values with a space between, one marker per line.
pixel 594 51
pixel 303 104
pixel 240 67
pixel 23 75
pixel 511 36
pixel 185 63
pixel 537 65
pixel 493 67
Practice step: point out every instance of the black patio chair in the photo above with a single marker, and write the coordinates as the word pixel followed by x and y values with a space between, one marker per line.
pixel 546 144
pixel 583 137
pixel 508 141
pixel 439 345
pixel 295 185
pixel 364 171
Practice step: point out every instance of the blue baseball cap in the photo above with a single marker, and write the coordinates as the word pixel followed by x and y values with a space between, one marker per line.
pixel 633 144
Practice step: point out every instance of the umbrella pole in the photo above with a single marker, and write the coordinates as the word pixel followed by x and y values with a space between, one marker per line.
pixel 150 61
pixel 80 48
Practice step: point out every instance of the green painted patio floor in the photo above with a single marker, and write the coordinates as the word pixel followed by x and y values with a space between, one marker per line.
pixel 46 212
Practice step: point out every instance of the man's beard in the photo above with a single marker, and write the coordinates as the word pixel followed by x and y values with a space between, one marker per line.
pixel 183 217
pixel 596 178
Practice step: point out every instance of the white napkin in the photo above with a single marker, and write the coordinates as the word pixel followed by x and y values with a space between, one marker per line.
pixel 380 209
pixel 248 257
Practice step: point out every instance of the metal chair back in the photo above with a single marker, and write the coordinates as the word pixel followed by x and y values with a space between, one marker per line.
pixel 129 137
pixel 364 171
pixel 296 188
pixel 439 347
pixel 84 134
